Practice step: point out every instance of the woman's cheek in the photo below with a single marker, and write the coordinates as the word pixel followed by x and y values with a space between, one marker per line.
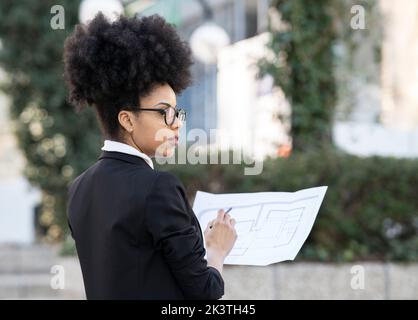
pixel 165 149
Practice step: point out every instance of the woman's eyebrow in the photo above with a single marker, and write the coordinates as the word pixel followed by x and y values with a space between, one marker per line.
pixel 165 103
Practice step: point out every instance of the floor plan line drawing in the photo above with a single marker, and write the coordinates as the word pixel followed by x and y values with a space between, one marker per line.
pixel 267 230
pixel 256 226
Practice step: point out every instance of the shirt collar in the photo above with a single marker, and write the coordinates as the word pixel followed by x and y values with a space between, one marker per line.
pixel 110 145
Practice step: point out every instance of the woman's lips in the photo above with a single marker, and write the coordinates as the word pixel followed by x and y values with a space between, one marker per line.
pixel 174 140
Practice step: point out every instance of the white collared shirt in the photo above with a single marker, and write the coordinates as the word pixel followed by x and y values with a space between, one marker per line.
pixel 110 145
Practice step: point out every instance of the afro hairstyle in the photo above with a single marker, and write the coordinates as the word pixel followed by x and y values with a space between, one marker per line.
pixel 111 65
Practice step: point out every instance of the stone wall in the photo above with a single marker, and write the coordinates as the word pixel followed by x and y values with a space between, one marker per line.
pixel 25 273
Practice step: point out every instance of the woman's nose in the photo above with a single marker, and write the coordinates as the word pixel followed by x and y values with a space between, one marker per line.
pixel 177 123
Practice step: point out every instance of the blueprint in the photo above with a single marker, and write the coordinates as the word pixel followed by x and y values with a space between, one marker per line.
pixel 271 226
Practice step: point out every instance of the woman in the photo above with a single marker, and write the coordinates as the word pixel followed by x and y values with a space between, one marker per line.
pixel 135 232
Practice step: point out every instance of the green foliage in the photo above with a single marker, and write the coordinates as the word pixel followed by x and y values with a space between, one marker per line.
pixel 369 212
pixel 56 142
pixel 68 247
pixel 303 67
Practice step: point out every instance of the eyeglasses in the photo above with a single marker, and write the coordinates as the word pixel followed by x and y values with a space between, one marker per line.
pixel 170 113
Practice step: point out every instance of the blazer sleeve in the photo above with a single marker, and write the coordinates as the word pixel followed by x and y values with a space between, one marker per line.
pixel 172 230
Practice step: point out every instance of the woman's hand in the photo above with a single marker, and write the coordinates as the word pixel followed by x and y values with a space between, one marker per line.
pixel 220 236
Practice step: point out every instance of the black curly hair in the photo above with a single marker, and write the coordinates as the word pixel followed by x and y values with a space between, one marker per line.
pixel 112 65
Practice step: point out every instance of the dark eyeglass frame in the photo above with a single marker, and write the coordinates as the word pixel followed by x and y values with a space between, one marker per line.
pixel 178 112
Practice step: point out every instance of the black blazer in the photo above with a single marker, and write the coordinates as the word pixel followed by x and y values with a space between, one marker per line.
pixel 136 234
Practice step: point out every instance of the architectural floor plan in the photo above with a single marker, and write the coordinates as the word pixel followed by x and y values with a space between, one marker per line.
pixel 271 226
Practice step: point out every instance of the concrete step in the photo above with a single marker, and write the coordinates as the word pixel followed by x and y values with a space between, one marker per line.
pixel 25 273
pixel 28 286
pixel 27 259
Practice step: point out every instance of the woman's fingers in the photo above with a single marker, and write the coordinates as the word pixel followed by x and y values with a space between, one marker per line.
pixel 210 224
pixel 221 215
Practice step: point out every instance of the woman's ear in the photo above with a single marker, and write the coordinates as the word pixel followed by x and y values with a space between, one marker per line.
pixel 125 120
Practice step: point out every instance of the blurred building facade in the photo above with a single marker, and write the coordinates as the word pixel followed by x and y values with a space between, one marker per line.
pixel 248 106
pixel 241 19
pixel 400 64
pixel 383 118
pixel 383 115
pixel 18 199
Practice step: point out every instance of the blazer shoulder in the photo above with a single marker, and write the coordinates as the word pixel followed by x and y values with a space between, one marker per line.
pixel 167 180
pixel 89 171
